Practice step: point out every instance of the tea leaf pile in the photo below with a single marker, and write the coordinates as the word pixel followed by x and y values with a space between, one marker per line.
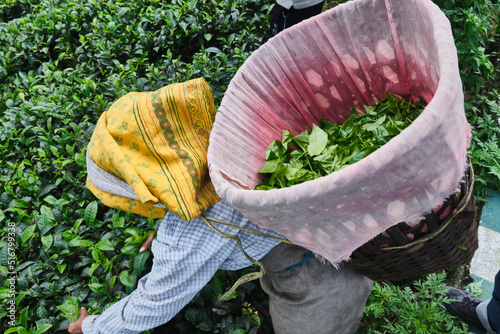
pixel 330 147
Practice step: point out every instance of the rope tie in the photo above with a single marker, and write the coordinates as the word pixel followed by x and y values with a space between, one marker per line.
pixel 248 277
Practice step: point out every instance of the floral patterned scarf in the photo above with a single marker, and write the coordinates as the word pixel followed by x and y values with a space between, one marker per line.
pixel 157 143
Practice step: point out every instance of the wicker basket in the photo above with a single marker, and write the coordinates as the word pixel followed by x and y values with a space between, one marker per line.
pixel 430 246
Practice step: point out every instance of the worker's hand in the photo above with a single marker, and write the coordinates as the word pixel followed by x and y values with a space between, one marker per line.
pixel 76 327
pixel 147 243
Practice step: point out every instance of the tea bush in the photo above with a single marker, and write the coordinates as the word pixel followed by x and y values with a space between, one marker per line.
pixel 412 309
pixel 62 63
pixel 476 28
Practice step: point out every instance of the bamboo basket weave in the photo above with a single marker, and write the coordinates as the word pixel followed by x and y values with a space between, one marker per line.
pixel 437 244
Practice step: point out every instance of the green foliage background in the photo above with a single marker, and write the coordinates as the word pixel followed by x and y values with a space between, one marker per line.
pixel 63 62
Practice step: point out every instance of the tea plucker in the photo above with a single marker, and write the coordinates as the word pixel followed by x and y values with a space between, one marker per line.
pixel 148 156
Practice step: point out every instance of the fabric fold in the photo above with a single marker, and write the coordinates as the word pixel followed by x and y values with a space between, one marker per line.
pixel 156 143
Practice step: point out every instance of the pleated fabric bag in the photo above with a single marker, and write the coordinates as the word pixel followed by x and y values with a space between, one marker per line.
pixel 348 56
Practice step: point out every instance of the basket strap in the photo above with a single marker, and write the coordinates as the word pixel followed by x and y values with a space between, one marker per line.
pixel 248 277
pixel 222 222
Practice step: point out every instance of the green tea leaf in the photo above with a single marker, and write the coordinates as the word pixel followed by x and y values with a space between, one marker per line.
pixel 47 241
pixel 21 296
pixel 317 141
pixel 301 141
pixel 90 213
pixel 255 319
pixel 193 315
pixel 269 166
pixel 133 231
pixel 127 279
pixel 97 254
pixel 112 281
pixel 139 262
pixel 77 242
pixel 42 312
pixel 47 212
pixel 93 267
pixel 72 300
pixel 28 233
pixel 61 267
pixel 216 286
pixel 21 203
pixel 119 222
pixel 69 311
pixel 23 316
pixel 130 249
pixel 43 328
pixel 239 331
pixel 274 150
pixel 286 138
pixel 105 245
pixel 96 287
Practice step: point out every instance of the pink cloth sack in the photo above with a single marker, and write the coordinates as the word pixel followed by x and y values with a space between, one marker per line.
pixel 347 56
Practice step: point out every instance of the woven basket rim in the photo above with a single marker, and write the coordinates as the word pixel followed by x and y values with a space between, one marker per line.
pixel 450 242
pixel 460 207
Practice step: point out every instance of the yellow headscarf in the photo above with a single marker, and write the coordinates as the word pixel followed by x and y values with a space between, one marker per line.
pixel 157 142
